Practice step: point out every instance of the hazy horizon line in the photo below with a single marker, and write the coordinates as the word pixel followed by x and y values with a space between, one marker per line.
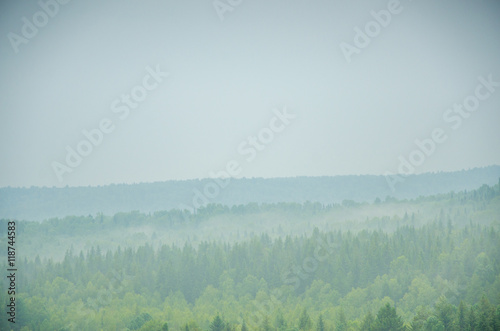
pixel 243 177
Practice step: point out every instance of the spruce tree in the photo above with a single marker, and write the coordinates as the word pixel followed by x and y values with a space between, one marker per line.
pixel 461 316
pixel 305 321
pixel 320 326
pixel 388 320
pixel 368 321
pixel 217 324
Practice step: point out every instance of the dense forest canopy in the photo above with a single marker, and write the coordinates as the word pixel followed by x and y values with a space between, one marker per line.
pixel 431 263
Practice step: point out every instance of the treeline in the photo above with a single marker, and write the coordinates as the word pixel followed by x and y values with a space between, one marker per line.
pixel 167 219
pixel 39 203
pixel 438 277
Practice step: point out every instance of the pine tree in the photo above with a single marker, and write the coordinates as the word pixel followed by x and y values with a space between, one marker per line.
pixel 305 322
pixel 341 322
pixel 368 321
pixel 244 326
pixel 445 312
pixel 461 316
pixel 496 321
pixel 434 324
pixel 320 326
pixel 388 320
pixel 485 321
pixel 217 324
pixel 472 320
pixel 280 321
pixel 265 324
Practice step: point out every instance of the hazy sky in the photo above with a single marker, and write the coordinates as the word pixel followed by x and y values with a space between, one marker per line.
pixel 227 80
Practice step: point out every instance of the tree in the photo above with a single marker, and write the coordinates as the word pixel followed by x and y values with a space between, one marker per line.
pixel 305 322
pixel 217 324
pixel 280 321
pixel 265 324
pixel 388 320
pixel 419 320
pixel 139 321
pixel 461 316
pixel 320 326
pixel 445 312
pixel 341 321
pixel 368 322
pixel 472 320
pixel 486 315
pixel 434 324
pixel 244 326
pixel 496 322
pixel 152 325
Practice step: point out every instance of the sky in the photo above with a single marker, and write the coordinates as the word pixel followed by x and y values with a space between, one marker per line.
pixel 94 92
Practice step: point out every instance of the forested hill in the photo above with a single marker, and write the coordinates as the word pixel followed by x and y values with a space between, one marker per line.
pixel 431 263
pixel 37 203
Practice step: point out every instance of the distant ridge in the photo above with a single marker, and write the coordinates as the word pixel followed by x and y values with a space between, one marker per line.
pixel 40 203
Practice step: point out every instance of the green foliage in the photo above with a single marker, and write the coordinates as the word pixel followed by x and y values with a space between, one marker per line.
pixel 280 323
pixel 305 322
pixel 244 327
pixel 42 203
pixel 320 325
pixel 266 326
pixel 217 324
pixel 434 324
pixel 139 321
pixel 440 274
pixel 341 324
pixel 462 318
pixel 388 320
pixel 445 312
pixel 368 322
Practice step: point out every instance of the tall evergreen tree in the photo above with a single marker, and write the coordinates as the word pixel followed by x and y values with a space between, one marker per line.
pixel 445 312
pixel 217 324
pixel 244 326
pixel 472 320
pixel 434 324
pixel 368 321
pixel 280 321
pixel 341 324
pixel 305 322
pixel 320 326
pixel 266 326
pixel 462 316
pixel 388 320
pixel 486 316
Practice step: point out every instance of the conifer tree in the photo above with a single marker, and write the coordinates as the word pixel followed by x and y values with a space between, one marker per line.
pixel 388 320
pixel 320 326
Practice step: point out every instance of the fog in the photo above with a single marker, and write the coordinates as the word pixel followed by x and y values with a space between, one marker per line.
pixel 178 89
pixel 232 165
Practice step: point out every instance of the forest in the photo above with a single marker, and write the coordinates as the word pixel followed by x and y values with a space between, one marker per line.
pixel 39 203
pixel 431 263
pixel 246 165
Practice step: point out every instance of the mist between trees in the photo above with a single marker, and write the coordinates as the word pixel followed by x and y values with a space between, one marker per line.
pixel 434 264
